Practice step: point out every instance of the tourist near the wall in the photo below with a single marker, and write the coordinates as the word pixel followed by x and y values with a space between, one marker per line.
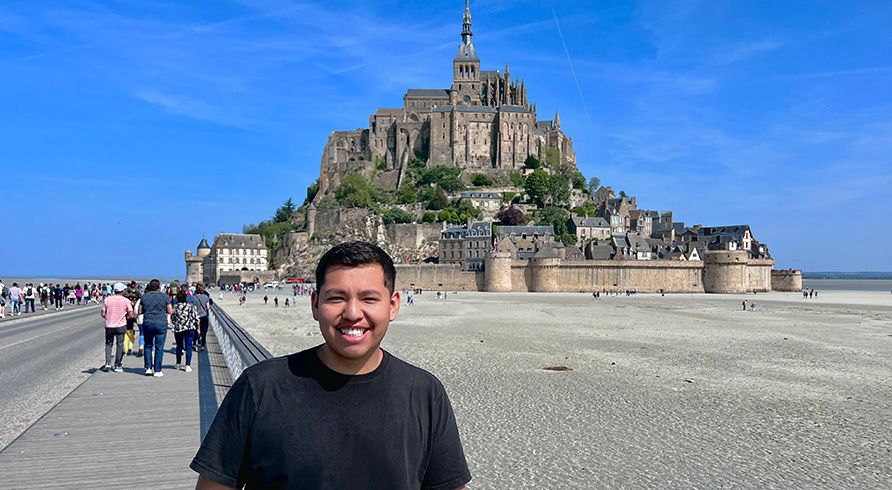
pixel 154 306
pixel 184 321
pixel 399 431
pixel 15 297
pixel 116 310
pixel 203 303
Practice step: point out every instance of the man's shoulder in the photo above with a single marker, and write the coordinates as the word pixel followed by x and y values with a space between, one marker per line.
pixel 419 377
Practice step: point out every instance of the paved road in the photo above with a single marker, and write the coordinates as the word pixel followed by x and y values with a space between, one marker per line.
pixel 41 360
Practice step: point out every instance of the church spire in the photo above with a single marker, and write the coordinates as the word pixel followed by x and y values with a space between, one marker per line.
pixel 466 27
pixel 557 120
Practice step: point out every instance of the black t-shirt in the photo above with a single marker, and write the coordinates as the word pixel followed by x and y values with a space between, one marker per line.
pixel 291 422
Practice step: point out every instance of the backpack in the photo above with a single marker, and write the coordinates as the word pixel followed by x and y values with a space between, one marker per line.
pixel 29 292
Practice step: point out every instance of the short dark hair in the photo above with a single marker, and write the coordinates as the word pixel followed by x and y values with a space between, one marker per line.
pixel 154 285
pixel 182 297
pixel 355 254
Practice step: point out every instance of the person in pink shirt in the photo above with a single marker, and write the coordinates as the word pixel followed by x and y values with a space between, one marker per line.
pixel 116 310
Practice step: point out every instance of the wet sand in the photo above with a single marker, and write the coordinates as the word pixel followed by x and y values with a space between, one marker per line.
pixel 680 391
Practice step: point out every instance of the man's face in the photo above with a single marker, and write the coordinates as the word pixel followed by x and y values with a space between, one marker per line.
pixel 354 309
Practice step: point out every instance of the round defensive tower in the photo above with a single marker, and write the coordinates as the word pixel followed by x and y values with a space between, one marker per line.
pixel 544 270
pixel 786 280
pixel 498 271
pixel 311 220
pixel 724 271
pixel 203 249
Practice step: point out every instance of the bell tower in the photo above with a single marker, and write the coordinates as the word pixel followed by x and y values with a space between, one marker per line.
pixel 466 85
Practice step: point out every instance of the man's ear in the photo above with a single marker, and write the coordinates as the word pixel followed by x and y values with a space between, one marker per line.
pixel 314 305
pixel 394 304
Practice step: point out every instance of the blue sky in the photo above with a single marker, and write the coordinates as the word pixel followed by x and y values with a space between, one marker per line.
pixel 129 129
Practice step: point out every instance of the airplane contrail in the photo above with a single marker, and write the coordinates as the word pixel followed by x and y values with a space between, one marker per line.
pixel 572 70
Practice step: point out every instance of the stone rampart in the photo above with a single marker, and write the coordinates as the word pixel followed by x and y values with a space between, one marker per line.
pixel 438 276
pixel 331 220
pixel 786 280
pixel 412 235
pixel 759 274
pixel 235 277
pixel 725 271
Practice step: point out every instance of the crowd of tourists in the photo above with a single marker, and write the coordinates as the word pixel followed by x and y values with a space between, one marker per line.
pixel 24 298
pixel 154 310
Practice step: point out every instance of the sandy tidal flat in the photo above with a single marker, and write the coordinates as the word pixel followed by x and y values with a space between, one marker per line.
pixel 676 391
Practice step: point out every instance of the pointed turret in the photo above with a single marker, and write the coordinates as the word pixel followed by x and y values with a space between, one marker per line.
pixel 557 120
pixel 466 51
pixel 466 24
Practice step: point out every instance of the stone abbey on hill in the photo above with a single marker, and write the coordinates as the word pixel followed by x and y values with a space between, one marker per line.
pixel 483 122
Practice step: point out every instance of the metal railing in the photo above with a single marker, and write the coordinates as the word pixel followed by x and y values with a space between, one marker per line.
pixel 240 350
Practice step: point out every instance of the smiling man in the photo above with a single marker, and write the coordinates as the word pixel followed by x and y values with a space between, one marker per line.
pixel 345 414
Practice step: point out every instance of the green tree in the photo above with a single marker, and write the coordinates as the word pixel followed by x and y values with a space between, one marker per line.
pixel 395 215
pixel 380 162
pixel 467 210
pixel 355 191
pixel 579 181
pixel 311 193
pixel 552 157
pixel 623 194
pixel 480 180
pixel 537 186
pixel 556 217
pixel 593 184
pixel 439 200
pixel 511 216
pixel 406 194
pixel 452 183
pixel 558 190
pixel 328 203
pixel 569 239
pixel 285 212
pixel 507 196
pixel 429 217
pixel 517 179
pixel 586 210
pixel 448 215
pixel 531 162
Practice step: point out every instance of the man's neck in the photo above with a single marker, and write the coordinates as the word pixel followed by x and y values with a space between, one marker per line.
pixel 348 366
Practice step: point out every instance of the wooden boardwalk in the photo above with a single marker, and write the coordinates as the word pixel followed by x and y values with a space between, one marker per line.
pixel 122 430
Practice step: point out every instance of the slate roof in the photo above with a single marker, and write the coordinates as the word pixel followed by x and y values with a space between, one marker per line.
pixel 478 229
pixel 513 108
pixel 481 195
pixel 601 252
pixel 638 242
pixel 463 108
pixel 203 243
pixel 544 124
pixel 429 93
pixel 529 230
pixel 546 252
pixel 238 240
pixel 466 52
pixel 594 222
pixel 733 230
pixel 620 241
pixel 490 74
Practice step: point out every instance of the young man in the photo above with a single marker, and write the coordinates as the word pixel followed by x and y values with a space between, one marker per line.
pixel 342 415
pixel 116 311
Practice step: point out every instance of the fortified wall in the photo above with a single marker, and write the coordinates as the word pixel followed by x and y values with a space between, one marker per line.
pixel 722 272
pixel 786 280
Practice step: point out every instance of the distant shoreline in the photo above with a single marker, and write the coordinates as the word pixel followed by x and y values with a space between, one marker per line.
pixel 847 275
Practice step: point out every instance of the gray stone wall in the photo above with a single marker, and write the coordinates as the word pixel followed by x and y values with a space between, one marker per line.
pixel 412 235
pixel 786 280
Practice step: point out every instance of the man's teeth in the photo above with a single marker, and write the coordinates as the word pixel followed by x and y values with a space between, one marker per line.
pixel 352 332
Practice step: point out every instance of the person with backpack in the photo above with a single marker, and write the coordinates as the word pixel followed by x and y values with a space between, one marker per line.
pixel 4 292
pixel 203 303
pixel 58 295
pixel 44 296
pixel 30 296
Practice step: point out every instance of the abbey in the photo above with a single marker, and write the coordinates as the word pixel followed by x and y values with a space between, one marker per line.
pixel 483 121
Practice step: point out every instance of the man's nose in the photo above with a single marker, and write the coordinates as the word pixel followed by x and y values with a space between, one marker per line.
pixel 353 310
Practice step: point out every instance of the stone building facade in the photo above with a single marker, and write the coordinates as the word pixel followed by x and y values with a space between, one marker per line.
pixel 232 254
pixel 483 121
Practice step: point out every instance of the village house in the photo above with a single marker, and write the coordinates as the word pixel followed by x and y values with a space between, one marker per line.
pixel 586 229
pixel 466 244
pixel 527 239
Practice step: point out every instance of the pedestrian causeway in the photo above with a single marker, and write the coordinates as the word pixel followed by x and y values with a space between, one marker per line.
pixel 115 430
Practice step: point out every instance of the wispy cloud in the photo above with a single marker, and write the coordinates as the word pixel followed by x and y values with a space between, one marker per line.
pixel 727 55
pixel 196 109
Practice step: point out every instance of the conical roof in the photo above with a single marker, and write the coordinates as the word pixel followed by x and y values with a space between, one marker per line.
pixel 203 244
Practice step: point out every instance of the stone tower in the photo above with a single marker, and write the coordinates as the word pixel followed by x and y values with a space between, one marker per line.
pixel 466 86
pixel 724 271
pixel 544 266
pixel 498 267
pixel 195 263
pixel 311 220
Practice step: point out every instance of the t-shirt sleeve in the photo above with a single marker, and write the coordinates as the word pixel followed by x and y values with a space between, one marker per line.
pixel 223 452
pixel 447 468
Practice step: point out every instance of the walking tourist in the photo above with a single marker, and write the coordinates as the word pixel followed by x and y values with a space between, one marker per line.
pixel 154 306
pixel 58 294
pixel 184 322
pixel 15 298
pixel 399 431
pixel 3 294
pixel 202 304
pixel 132 293
pixel 116 311
pixel 30 296
pixel 44 296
